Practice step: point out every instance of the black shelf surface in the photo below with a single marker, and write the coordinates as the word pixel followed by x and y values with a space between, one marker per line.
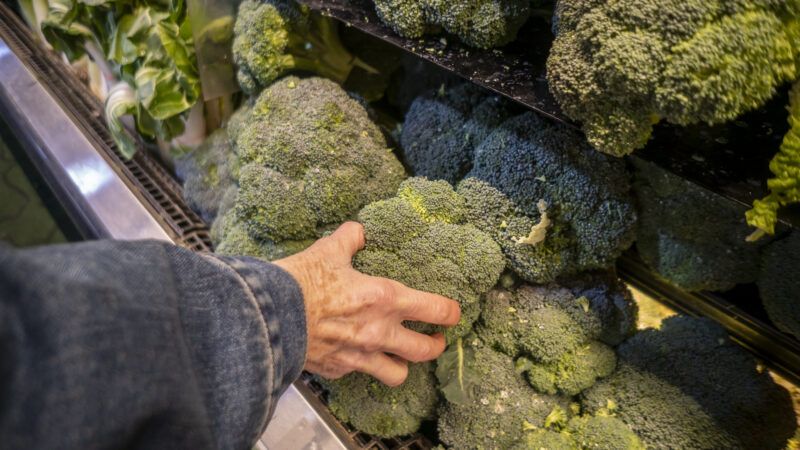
pixel 731 160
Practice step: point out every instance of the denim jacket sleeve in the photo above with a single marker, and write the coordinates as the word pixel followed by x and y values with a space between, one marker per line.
pixel 143 345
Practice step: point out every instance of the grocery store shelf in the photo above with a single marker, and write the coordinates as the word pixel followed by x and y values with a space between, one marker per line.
pixel 777 350
pixel 731 160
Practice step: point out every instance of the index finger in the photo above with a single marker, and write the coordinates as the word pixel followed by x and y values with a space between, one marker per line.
pixel 426 307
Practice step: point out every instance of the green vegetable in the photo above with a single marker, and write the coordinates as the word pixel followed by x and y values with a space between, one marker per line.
pixel 478 23
pixel 554 205
pixel 456 378
pixel 690 236
pixel 573 372
pixel 502 407
pixel 620 67
pixel 274 37
pixel 583 433
pixel 304 174
pixel 779 289
pixel 785 166
pixel 420 239
pixel 375 408
pixel 686 385
pixel 145 44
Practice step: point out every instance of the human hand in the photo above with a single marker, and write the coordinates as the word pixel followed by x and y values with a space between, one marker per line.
pixel 354 321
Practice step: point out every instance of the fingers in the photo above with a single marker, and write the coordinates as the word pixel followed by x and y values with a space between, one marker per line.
pixel 388 370
pixel 426 307
pixel 349 238
pixel 413 346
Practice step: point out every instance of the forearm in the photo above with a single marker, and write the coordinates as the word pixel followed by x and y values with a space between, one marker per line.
pixel 112 344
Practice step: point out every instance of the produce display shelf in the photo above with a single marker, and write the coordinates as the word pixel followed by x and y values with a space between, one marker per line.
pixel 731 160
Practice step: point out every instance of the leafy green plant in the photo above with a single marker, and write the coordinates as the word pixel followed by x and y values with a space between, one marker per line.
pixel 146 45
pixel 455 375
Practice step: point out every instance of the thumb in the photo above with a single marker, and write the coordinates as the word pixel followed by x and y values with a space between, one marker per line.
pixel 348 239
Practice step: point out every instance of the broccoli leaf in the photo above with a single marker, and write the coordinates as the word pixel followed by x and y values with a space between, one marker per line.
pixel 455 374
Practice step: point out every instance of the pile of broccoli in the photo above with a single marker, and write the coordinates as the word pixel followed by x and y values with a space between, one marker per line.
pixel 780 291
pixel 686 385
pixel 692 237
pixel 274 37
pixel 619 67
pixel 583 433
pixel 478 23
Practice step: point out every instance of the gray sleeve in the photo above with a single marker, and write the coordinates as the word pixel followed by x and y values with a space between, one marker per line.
pixel 143 345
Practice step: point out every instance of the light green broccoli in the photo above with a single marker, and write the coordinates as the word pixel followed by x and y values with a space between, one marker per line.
pixel 554 205
pixel 478 23
pixel 502 405
pixel 692 237
pixel 304 174
pixel 686 385
pixel 420 239
pixel 785 166
pixel 573 371
pixel 377 409
pixel 273 37
pixel 620 67
pixel 583 433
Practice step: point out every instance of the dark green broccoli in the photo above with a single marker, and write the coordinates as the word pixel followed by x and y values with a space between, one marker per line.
pixel 554 205
pixel 420 239
pixel 620 67
pixel 375 408
pixel 502 406
pixel 478 23
pixel 687 385
pixel 573 371
pixel 779 289
pixel 207 173
pixel 273 37
pixel 443 127
pixel 692 237
pixel 583 433
pixel 303 174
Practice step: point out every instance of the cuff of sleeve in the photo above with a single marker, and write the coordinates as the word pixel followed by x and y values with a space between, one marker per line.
pixel 281 302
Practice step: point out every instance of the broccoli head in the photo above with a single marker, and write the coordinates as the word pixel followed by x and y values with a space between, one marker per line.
pixel 583 433
pixel 620 67
pixel 443 127
pixel 375 408
pixel 686 385
pixel 420 239
pixel 478 23
pixel 555 206
pixel 780 290
pixel 207 172
pixel 501 406
pixel 552 326
pixel 303 174
pixel 273 37
pixel 690 236
pixel 573 371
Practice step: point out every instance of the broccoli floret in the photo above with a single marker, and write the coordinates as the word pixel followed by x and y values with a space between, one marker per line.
pixel 442 129
pixel 620 67
pixel 303 174
pixel 555 206
pixel 779 289
pixel 687 386
pixel 785 166
pixel 583 433
pixel 419 238
pixel 547 322
pixel 573 372
pixel 478 23
pixel 207 172
pixel 375 408
pixel 502 405
pixel 690 236
pixel 273 37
